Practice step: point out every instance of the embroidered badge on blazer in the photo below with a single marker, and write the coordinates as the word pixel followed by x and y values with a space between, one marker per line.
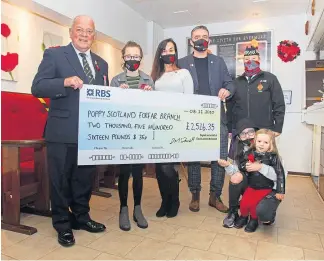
pixel 260 87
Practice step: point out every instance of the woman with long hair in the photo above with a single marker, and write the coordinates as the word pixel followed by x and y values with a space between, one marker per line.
pixel 168 77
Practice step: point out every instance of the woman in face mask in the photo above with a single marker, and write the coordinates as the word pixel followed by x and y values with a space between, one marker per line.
pixel 169 78
pixel 132 78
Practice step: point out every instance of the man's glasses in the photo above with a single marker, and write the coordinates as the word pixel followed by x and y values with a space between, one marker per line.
pixel 131 57
pixel 82 31
pixel 247 133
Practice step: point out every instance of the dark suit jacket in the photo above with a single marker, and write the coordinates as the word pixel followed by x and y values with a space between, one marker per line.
pixel 63 116
pixel 218 76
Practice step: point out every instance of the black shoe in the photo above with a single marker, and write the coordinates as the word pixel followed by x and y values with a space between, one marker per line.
pixel 66 238
pixel 252 225
pixel 91 226
pixel 241 222
pixel 230 219
pixel 162 210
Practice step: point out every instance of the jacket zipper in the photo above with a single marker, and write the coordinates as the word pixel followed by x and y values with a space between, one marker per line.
pixel 248 99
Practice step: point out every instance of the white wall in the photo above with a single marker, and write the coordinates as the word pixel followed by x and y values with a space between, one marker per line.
pixel 155 36
pixel 296 141
pixel 30 28
pixel 112 17
pixel 111 55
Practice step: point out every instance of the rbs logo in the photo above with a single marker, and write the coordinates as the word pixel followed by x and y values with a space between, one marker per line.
pixel 92 93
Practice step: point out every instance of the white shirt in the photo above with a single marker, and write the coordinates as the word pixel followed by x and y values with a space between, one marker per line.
pixel 89 60
pixel 176 81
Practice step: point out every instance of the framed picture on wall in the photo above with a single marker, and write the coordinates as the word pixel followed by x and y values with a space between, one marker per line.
pixel 287 95
pixel 231 48
pixel 51 40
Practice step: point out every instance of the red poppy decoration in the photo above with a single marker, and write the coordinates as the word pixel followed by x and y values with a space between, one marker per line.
pixel 9 63
pixel 97 66
pixel 288 51
pixel 5 30
pixel 251 158
pixel 136 65
pixel 142 86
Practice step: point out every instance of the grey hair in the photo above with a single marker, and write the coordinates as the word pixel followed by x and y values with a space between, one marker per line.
pixel 75 18
pixel 199 27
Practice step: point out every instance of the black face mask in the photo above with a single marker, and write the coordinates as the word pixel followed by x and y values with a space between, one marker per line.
pixel 200 45
pixel 132 65
pixel 247 142
pixel 168 58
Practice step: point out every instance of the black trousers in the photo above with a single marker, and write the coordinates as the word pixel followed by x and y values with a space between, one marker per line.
pixel 71 185
pixel 137 174
pixel 168 181
pixel 267 207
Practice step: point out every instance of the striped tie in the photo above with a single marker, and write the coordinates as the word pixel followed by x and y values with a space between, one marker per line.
pixel 86 67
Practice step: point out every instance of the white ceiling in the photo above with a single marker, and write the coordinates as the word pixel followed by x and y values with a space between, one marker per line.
pixel 211 11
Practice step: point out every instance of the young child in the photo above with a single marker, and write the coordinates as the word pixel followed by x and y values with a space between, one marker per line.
pixel 244 136
pixel 263 151
pixel 132 78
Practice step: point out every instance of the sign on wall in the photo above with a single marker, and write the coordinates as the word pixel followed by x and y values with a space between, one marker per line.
pixel 232 46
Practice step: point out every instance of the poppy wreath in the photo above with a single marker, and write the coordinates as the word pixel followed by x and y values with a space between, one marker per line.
pixel 288 50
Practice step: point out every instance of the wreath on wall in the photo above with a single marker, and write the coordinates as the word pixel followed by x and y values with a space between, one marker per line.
pixel 288 50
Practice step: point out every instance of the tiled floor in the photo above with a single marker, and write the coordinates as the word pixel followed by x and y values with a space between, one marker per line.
pixel 297 234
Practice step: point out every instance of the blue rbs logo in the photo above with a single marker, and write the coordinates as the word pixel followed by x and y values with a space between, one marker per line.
pixel 98 93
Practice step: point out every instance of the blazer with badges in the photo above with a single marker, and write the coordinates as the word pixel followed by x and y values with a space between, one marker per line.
pixel 63 116
pixel 121 78
pixel 219 77
pixel 260 99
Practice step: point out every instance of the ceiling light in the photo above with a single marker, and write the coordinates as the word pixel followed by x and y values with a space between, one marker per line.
pixel 181 11
pixel 258 1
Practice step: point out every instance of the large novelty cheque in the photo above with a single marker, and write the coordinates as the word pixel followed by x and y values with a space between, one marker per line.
pixel 123 126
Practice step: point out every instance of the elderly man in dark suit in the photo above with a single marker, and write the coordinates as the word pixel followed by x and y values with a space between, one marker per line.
pixel 60 76
pixel 210 75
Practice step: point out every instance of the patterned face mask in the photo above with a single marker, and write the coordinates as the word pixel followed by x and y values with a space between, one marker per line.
pixel 252 68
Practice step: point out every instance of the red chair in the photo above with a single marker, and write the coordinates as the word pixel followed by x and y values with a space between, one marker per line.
pixel 24 174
